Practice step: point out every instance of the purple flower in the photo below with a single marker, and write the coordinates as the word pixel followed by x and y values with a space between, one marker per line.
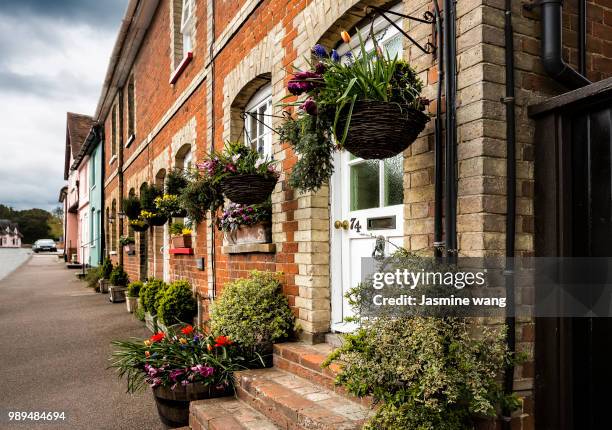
pixel 174 374
pixel 320 68
pixel 334 56
pixel 155 382
pixel 202 370
pixel 309 106
pixel 319 51
pixel 349 55
pixel 303 82
pixel 184 382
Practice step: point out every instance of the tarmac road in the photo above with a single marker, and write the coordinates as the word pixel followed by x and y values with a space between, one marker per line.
pixel 54 347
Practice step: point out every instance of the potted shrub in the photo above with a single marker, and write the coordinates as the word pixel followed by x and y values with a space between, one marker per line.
pixel 244 177
pixel 201 194
pixel 246 224
pixel 180 235
pixel 177 304
pixel 180 367
pixel 118 284
pixel 105 273
pixel 254 312
pixel 367 103
pixel 139 224
pixel 147 295
pixel 131 207
pixel 131 295
pixel 128 244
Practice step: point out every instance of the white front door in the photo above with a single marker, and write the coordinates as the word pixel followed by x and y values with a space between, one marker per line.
pixel 367 202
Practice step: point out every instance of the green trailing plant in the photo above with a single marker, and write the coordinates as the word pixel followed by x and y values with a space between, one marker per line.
pixel 148 293
pixel 201 194
pixel 118 277
pixel 176 181
pixel 93 276
pixel 131 207
pixel 177 304
pixel 236 159
pixel 329 91
pixel 253 312
pixel 126 240
pixel 148 194
pixel 107 268
pixel 133 289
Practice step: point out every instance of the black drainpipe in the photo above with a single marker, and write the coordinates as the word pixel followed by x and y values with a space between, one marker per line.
pixel 213 268
pixel 439 175
pixel 450 77
pixel 582 22
pixel 552 47
pixel 100 138
pixel 509 101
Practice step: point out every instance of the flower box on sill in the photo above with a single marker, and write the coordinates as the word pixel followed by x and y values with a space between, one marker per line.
pixel 181 251
pixel 249 234
pixel 183 241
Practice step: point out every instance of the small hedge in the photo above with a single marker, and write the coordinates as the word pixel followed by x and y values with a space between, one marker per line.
pixel 176 304
pixel 107 268
pixel 92 277
pixel 253 312
pixel 133 289
pixel 118 277
pixel 148 293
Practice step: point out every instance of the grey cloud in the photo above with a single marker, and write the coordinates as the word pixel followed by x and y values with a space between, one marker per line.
pixel 58 86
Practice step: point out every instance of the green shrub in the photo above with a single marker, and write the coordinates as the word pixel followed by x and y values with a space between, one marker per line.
pixel 176 304
pixel 140 313
pixel 131 207
pixel 176 181
pixel 118 277
pixel 416 416
pixel 253 311
pixel 107 268
pixel 93 276
pixel 148 292
pixel 133 289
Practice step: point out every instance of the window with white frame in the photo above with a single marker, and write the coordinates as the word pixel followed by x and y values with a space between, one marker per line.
pixel 258 122
pixel 187 25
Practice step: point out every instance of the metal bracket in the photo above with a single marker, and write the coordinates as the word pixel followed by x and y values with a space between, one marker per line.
pixel 428 18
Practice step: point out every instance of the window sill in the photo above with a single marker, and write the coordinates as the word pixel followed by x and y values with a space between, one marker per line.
pixel 131 139
pixel 112 253
pixel 181 67
pixel 112 160
pixel 181 251
pixel 249 248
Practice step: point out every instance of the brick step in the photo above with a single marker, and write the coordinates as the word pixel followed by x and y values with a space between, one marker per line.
pixel 226 413
pixel 295 403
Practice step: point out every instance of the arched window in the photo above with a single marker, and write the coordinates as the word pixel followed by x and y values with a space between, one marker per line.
pixel 258 121
pixel 184 157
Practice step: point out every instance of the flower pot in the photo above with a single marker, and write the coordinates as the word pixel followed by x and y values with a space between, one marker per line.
pixel 381 130
pixel 256 233
pixel 131 303
pixel 248 189
pixel 173 405
pixel 103 285
pixel 183 241
pixel 129 249
pixel 139 228
pixel 158 220
pixel 116 294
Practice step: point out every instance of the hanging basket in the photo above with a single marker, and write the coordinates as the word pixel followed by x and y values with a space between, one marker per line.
pixel 158 220
pixel 140 228
pixel 181 213
pixel 248 189
pixel 380 130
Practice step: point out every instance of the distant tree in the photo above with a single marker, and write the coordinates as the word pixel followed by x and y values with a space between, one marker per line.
pixel 33 224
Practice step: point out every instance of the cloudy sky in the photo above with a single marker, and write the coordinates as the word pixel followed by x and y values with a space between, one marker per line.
pixel 53 58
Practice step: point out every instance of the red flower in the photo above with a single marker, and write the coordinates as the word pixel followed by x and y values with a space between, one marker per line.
pixel 187 330
pixel 157 337
pixel 222 341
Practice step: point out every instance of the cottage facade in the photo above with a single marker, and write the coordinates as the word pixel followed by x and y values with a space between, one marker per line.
pixel 10 237
pixel 183 72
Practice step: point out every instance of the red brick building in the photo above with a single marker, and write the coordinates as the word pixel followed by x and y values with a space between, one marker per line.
pixel 183 71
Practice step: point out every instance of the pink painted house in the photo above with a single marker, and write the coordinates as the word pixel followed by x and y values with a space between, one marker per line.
pixel 9 234
pixel 75 195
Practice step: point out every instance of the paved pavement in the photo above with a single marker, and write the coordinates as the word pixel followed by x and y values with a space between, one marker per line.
pixel 55 338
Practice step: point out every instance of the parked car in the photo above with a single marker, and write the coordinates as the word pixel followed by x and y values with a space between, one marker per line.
pixel 44 245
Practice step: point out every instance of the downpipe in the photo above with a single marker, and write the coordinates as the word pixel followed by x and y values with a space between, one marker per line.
pixel 439 244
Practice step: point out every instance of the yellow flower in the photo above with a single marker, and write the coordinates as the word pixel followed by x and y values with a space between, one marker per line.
pixel 183 340
pixel 147 342
pixel 186 231
pixel 345 36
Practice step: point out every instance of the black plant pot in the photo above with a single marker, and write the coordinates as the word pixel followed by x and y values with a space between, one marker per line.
pixel 248 189
pixel 173 405
pixel 380 130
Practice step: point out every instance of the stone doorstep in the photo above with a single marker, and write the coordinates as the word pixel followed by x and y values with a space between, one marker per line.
pixel 292 402
pixel 305 361
pixel 226 413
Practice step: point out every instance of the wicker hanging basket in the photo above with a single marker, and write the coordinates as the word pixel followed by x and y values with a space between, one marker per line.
pixel 139 228
pixel 248 189
pixel 380 130
pixel 158 220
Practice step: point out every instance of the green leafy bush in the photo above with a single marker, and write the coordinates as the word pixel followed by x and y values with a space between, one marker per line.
pixel 253 311
pixel 107 268
pixel 93 276
pixel 415 416
pixel 200 195
pixel 176 181
pixel 133 289
pixel 177 304
pixel 118 277
pixel 148 194
pixel 148 292
pixel 140 313
pixel 131 207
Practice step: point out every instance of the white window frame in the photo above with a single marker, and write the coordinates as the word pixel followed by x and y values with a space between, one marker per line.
pixel 187 25
pixel 261 99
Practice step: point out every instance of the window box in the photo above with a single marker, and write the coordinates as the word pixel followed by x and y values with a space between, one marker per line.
pixel 251 234
pixel 181 251
pixel 183 241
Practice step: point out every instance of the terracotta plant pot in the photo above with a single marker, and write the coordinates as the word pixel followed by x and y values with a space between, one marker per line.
pixel 256 233
pixel 131 303
pixel 183 241
pixel 173 405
